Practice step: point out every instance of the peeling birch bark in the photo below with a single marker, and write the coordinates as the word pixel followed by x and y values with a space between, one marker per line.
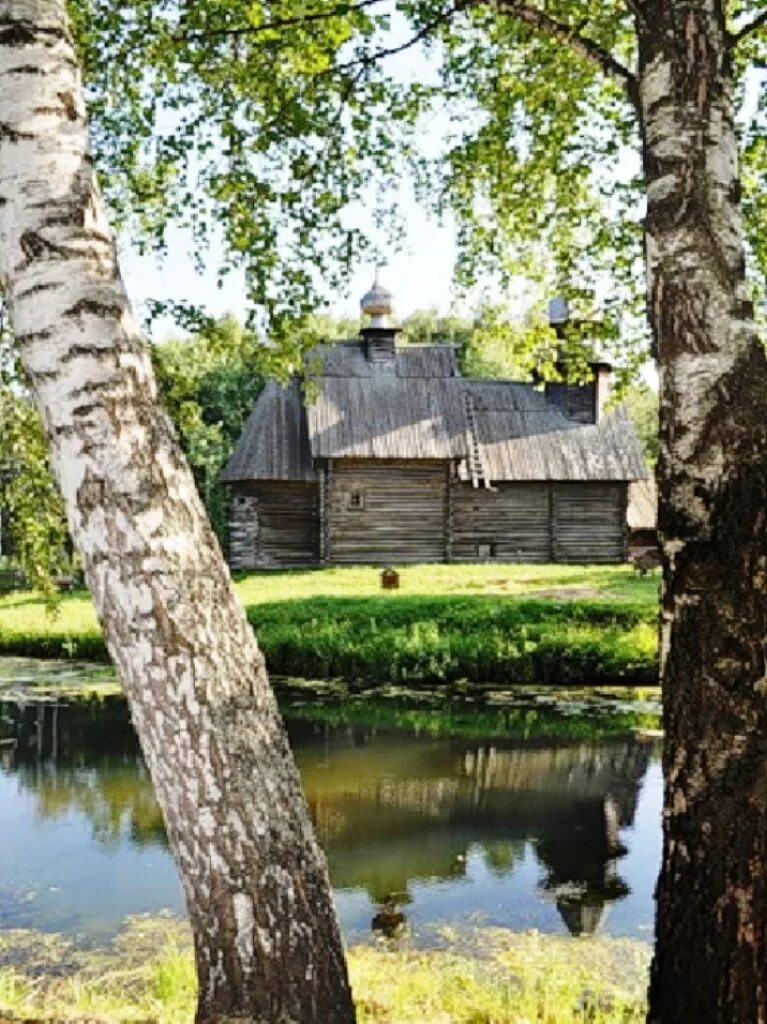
pixel 711 955
pixel 266 937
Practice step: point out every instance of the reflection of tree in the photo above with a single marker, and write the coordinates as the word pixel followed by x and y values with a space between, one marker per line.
pixel 501 857
pixel 83 756
pixel 117 799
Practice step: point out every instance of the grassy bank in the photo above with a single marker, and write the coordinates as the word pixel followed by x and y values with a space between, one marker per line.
pixel 488 976
pixel 510 624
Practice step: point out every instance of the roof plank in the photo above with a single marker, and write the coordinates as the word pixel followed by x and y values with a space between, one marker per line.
pixel 413 407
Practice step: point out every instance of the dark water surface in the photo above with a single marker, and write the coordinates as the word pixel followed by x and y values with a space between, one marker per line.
pixel 524 818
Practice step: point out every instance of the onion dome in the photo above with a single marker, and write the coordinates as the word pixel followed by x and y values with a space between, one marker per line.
pixel 377 303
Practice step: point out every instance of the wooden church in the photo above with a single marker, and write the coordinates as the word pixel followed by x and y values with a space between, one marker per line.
pixel 383 453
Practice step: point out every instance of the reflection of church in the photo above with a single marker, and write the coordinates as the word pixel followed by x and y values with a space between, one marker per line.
pixel 392 812
pixel 581 858
pixel 390 809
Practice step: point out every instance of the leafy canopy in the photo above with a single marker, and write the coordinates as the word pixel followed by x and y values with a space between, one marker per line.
pixel 273 123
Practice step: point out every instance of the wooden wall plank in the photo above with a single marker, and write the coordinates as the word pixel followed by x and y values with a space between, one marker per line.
pixel 412 512
pixel 590 522
pixel 560 522
pixel 288 523
pixel 402 518
pixel 514 518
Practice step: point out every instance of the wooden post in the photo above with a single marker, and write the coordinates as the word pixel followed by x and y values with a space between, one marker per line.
pixel 624 512
pixel 328 524
pixel 449 512
pixel 322 510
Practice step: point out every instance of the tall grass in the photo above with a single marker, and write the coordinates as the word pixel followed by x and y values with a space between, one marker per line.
pixel 510 624
pixel 488 976
pixel 430 640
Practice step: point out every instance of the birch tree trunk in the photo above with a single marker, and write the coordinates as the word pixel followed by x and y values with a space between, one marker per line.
pixel 711 956
pixel 266 937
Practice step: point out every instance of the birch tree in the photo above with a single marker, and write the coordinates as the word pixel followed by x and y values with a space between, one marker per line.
pixel 266 938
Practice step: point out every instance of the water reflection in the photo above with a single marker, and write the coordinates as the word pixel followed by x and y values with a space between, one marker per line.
pixel 390 812
pixel 428 829
pixel 83 757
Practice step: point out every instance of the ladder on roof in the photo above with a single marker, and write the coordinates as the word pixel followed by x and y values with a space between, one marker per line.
pixel 474 457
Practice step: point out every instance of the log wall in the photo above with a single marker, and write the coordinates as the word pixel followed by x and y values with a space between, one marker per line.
pixel 512 518
pixel 540 522
pixel 589 522
pixel 403 516
pixel 243 531
pixel 274 523
pixel 411 512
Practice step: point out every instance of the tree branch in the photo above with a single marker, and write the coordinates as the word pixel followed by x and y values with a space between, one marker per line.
pixel 366 59
pixel 544 23
pixel 278 23
pixel 753 26
pixel 636 8
pixel 571 37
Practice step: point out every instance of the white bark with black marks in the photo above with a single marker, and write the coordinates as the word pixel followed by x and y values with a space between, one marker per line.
pixel 266 937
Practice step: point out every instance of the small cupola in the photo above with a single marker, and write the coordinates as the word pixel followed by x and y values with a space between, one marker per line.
pixel 379 335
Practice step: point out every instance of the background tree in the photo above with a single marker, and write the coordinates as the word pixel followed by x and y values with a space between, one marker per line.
pixel 209 384
pixel 642 403
pixel 32 521
pixel 592 138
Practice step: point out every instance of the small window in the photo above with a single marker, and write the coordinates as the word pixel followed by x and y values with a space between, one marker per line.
pixel 356 501
pixel 485 551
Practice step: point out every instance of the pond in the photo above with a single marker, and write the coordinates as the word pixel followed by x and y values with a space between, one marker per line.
pixel 528 809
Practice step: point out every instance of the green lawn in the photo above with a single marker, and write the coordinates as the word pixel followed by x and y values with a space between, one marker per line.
pixel 610 581
pixel 446 623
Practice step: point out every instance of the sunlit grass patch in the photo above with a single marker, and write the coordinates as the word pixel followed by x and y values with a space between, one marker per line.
pixel 614 582
pixel 511 979
pixel 486 976
pixel 147 974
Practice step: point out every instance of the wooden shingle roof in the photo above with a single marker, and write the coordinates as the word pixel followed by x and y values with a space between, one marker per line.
pixel 417 406
pixel 275 441
pixel 408 408
pixel 348 359
pixel 522 437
